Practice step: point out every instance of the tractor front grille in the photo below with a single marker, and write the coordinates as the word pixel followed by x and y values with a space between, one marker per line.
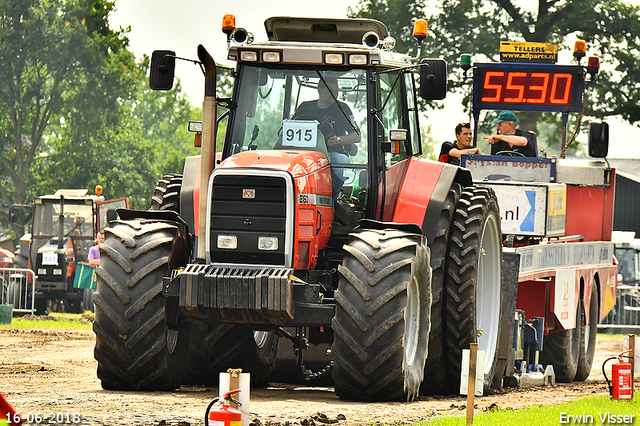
pixel 248 205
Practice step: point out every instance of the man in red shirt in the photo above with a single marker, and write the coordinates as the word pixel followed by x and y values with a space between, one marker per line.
pixel 451 152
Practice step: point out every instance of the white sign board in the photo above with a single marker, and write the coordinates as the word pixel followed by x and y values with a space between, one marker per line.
pixel 299 133
pixel 508 169
pixel 49 258
pixel 537 210
pixel 243 397
pixel 625 347
pixel 565 298
pixel 553 256
pixel 464 374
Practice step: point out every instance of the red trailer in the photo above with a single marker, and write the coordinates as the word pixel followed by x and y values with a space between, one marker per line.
pixel 556 215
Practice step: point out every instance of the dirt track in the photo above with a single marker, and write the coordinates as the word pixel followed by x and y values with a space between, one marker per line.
pixel 54 372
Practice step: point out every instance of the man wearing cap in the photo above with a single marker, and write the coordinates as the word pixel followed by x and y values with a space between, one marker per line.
pixel 508 138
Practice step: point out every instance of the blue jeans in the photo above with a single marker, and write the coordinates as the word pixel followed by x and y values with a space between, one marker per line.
pixel 337 173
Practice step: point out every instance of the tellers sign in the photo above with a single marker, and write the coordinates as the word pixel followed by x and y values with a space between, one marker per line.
pixel 532 87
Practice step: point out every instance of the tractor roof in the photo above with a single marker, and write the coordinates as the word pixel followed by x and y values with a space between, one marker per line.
pixel 319 30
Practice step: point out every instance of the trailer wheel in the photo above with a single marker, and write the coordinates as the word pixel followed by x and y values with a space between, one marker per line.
pixel 167 193
pixel 588 336
pixel 562 350
pixel 473 292
pixel 435 368
pixel 381 324
pixel 215 347
pixel 135 349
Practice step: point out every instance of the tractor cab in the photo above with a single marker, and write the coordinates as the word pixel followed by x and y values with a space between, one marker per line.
pixel 326 102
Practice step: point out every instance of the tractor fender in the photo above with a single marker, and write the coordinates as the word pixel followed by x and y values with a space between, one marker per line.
pixel 424 191
pixel 376 224
pixel 190 191
pixel 182 247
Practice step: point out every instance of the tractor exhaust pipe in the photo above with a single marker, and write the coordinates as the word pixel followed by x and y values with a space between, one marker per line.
pixel 208 153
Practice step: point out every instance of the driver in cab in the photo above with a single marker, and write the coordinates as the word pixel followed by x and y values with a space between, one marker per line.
pixel 336 123
pixel 509 140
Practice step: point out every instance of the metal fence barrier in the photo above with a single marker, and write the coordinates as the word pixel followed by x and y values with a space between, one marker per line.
pixel 18 289
pixel 625 315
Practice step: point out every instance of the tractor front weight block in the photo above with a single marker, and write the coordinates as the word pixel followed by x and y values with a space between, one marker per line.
pixel 237 295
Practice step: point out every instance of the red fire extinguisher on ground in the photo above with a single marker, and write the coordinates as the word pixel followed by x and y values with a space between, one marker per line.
pixel 620 386
pixel 225 415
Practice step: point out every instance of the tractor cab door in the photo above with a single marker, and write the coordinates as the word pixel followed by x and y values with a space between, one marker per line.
pixel 397 106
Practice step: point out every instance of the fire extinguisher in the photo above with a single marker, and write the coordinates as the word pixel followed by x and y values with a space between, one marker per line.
pixel 620 386
pixel 225 415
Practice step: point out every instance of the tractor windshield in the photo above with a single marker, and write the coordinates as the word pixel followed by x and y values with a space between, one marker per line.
pixel 78 219
pixel 301 109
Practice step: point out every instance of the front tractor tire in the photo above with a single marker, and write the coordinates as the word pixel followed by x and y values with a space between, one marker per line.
pixel 134 348
pixel 382 318
pixel 473 291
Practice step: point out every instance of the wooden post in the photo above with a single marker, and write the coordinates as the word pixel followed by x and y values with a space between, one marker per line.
pixel 234 383
pixel 471 387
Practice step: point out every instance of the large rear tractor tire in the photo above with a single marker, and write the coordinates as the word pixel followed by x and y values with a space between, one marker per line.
pixel 135 349
pixel 473 290
pixel 215 347
pixel 435 369
pixel 562 350
pixel 167 193
pixel 588 336
pixel 382 318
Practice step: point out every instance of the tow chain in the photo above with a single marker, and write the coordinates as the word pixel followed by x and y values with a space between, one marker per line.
pixel 300 343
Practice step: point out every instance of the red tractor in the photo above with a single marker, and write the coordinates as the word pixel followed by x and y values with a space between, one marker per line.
pixel 320 227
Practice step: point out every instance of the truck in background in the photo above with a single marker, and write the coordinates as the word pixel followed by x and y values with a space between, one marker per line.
pixel 624 318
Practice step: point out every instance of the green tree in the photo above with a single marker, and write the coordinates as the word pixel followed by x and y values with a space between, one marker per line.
pixel 61 67
pixel 398 16
pixel 146 138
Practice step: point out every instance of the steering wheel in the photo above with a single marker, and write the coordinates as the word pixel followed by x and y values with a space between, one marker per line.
pixel 325 127
pixel 508 153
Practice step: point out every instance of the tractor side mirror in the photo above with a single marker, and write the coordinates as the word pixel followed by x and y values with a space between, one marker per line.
pixel 433 79
pixel 598 139
pixel 163 65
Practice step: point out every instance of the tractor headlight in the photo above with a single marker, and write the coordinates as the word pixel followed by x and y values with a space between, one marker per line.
pixel 271 56
pixel 248 55
pixel 358 59
pixel 334 58
pixel 227 242
pixel 268 243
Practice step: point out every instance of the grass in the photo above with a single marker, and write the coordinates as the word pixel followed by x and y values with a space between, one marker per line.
pixel 51 321
pixel 586 410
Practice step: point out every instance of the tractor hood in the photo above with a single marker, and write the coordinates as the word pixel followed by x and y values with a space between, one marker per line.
pixel 298 163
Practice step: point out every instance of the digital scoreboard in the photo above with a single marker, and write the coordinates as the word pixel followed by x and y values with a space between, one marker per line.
pixel 527 87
